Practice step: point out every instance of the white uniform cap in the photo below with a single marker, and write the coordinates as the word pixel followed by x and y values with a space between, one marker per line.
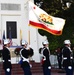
pixel 6 41
pixel 45 42
pixel 24 42
pixel 67 42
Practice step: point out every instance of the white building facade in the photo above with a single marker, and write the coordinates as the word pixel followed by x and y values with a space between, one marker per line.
pixel 15 13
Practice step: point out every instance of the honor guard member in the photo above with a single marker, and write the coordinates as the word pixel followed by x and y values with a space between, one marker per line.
pixel 67 58
pixel 25 54
pixel 6 57
pixel 45 58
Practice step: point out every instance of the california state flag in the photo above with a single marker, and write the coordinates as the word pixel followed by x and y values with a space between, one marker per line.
pixel 41 20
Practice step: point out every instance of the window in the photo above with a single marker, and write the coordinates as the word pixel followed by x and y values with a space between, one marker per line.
pixel 5 6
pixel 11 29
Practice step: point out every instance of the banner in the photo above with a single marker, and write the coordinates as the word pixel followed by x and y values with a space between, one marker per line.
pixel 41 20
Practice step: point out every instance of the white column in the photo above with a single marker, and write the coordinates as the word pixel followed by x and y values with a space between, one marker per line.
pixel 34 43
pixel 24 20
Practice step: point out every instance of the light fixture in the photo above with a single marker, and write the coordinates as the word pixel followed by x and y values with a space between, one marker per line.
pixel 68 4
pixel 39 3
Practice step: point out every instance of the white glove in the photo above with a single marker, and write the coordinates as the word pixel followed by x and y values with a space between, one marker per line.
pixel 30 66
pixel 49 67
pixel 44 58
pixel 69 67
pixel 8 69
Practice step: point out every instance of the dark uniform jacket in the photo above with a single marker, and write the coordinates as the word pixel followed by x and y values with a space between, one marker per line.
pixel 25 54
pixel 46 60
pixel 6 58
pixel 67 57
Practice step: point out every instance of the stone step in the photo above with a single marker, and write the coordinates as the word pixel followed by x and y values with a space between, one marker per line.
pixel 17 70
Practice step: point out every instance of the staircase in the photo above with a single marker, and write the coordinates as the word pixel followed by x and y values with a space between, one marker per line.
pixel 17 70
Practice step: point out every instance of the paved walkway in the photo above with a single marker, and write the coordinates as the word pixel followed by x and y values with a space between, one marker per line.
pixel 55 72
pixel 51 74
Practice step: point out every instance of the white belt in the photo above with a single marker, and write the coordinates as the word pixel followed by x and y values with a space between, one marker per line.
pixel 24 59
pixel 8 60
pixel 65 58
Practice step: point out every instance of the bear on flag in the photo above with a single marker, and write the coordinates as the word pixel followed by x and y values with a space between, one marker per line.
pixel 42 20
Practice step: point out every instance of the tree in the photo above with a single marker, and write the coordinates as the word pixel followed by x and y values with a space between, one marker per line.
pixel 58 9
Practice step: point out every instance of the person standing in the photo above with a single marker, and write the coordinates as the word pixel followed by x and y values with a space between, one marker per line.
pixel 6 57
pixel 59 57
pixel 25 54
pixel 67 57
pixel 45 61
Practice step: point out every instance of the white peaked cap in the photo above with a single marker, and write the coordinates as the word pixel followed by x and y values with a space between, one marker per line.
pixel 45 42
pixel 6 41
pixel 24 42
pixel 67 42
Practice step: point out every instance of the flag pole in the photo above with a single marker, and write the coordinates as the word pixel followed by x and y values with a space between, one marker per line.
pixel 20 36
pixel 29 35
pixel 28 26
pixel 29 23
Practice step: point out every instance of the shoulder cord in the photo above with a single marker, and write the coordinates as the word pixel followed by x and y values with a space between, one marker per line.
pixel 24 59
